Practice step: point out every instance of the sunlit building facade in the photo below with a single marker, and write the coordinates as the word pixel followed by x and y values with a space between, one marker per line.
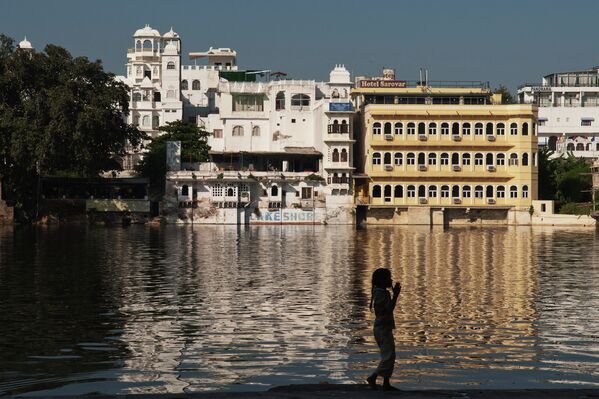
pixel 428 149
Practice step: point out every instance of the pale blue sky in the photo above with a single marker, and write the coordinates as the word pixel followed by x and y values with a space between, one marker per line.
pixel 507 41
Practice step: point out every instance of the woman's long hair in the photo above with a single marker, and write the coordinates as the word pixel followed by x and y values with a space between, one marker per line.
pixel 379 278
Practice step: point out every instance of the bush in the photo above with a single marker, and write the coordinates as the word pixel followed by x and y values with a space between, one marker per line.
pixel 573 208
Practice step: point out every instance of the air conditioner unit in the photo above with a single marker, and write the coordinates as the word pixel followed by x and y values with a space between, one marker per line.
pixel 457 201
pixel 422 137
pixel 389 137
pixel 491 201
pixel 490 137
pixel 422 168
pixel 456 168
pixel 491 168
pixel 422 200
pixel 388 168
pixel 456 137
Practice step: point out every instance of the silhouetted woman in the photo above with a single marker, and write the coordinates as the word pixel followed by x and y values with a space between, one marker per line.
pixel 384 323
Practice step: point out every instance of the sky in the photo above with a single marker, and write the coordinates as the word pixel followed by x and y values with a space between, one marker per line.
pixel 506 42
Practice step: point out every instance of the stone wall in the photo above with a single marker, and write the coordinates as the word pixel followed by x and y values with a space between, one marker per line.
pixel 7 213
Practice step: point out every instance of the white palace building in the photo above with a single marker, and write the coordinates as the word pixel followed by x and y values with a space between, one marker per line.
pixel 568 111
pixel 281 149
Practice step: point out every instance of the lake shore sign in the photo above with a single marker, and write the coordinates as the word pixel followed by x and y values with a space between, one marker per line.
pixel 285 216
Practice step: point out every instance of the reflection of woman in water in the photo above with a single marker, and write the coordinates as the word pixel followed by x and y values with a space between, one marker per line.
pixel 384 324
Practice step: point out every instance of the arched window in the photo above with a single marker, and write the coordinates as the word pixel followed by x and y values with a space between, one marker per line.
pixel 376 191
pixel 489 159
pixel 136 96
pixel 398 158
pixel 335 155
pixel 466 192
pixel 513 192
pixel 478 129
pixel 478 159
pixel 444 159
pixel 432 129
pixel 525 159
pixel 455 158
pixel 411 191
pixel 300 100
pixel 344 155
pixel 195 85
pixel 421 128
pixel 570 147
pixel 455 129
pixel 500 192
pixel 432 191
pixel 410 158
pixel 170 65
pixel 466 159
pixel 398 128
pixel 280 101
pixel 432 159
pixel 184 85
pixel 421 158
pixel 500 129
pixel 466 129
pixel 444 128
pixel 147 45
pixel 376 158
pixel 230 192
pixel 274 191
pixel 513 129
pixel 387 192
pixel 185 190
pixel 387 129
pixel 387 158
pixel 524 191
pixel 411 128
pixel 335 93
pixel 376 128
pixel 513 159
pixel 455 192
pixel 238 131
pixel 525 129
pixel 138 45
pixel 500 159
pixel 422 191
pixel 145 121
pixel 256 131
pixel 398 191
pixel 489 129
pixel 155 121
pixel 579 147
pixel 478 191
pixel 489 192
pixel 444 191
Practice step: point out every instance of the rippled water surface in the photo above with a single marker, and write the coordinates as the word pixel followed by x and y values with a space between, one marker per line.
pixel 176 309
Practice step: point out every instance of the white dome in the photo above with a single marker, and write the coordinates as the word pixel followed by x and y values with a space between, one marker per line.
pixel 171 49
pixel 171 34
pixel 339 75
pixel 146 31
pixel 25 44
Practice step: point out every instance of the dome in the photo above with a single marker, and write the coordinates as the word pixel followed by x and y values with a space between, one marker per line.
pixel 171 49
pixel 171 34
pixel 25 44
pixel 340 75
pixel 146 31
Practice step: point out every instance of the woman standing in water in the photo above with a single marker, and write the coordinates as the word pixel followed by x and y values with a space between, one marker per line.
pixel 384 323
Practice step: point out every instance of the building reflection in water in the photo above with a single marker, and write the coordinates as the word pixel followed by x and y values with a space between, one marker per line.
pixel 220 307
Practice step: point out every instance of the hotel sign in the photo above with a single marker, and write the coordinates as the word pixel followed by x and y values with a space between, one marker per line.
pixel 382 84
pixel 340 107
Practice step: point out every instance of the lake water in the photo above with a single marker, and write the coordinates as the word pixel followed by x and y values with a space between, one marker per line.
pixel 182 309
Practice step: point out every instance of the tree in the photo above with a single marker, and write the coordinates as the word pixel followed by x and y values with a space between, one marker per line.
pixel 506 96
pixel 563 179
pixel 59 115
pixel 194 148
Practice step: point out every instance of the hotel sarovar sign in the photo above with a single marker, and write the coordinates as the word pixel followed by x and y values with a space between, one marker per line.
pixel 382 84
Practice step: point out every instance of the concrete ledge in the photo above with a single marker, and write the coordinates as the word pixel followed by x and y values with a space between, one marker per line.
pixel 361 391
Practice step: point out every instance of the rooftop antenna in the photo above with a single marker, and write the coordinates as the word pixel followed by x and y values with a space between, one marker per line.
pixel 426 77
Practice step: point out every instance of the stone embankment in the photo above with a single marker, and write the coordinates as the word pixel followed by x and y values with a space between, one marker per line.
pixel 328 391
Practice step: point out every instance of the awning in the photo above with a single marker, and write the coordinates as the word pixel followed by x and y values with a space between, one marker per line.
pixel 588 119
pixel 542 119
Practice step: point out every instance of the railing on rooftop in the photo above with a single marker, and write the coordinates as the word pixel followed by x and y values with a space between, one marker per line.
pixel 475 84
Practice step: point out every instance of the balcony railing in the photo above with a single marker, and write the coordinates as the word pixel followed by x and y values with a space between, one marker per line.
pixel 338 180
pixel 338 128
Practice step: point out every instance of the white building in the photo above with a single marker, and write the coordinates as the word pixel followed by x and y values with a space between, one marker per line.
pixel 568 111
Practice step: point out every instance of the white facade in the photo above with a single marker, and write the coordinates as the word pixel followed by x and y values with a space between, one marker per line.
pixel 568 104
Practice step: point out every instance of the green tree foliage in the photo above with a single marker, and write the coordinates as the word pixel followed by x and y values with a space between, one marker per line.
pixel 59 115
pixel 194 148
pixel 506 96
pixel 564 179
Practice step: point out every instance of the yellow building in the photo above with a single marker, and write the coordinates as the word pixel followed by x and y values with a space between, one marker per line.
pixel 442 148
